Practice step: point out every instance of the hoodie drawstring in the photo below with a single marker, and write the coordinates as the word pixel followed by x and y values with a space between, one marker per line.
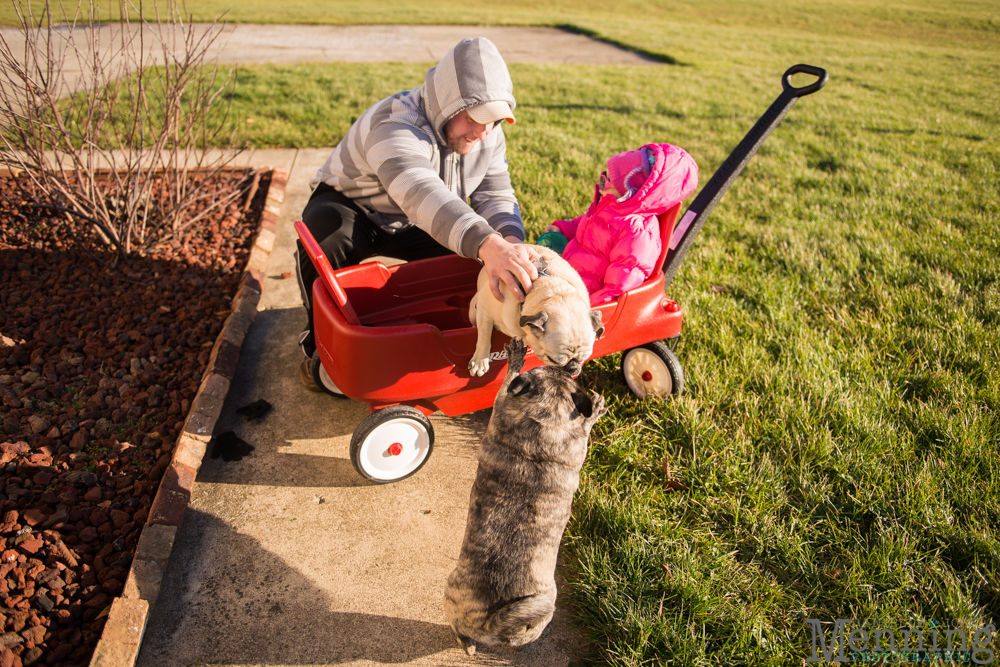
pixel 461 178
pixel 445 154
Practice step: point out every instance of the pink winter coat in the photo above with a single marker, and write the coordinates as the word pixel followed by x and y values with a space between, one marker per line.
pixel 614 245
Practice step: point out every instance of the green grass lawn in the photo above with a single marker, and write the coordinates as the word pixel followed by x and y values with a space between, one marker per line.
pixel 839 434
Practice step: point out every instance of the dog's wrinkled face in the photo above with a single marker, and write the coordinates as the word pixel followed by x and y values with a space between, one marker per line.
pixel 550 397
pixel 562 341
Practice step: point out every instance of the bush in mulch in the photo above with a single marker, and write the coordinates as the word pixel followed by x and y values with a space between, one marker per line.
pixel 98 367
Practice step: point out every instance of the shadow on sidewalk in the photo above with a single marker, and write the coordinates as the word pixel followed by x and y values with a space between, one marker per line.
pixel 256 609
pixel 304 441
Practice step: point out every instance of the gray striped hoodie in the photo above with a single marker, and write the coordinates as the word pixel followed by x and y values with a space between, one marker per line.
pixel 396 164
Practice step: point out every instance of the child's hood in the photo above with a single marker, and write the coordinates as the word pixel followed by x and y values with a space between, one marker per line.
pixel 673 177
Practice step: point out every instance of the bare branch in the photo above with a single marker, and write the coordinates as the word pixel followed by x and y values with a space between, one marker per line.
pixel 106 121
pixel 77 214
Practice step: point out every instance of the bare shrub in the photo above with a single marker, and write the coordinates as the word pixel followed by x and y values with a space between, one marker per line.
pixel 112 123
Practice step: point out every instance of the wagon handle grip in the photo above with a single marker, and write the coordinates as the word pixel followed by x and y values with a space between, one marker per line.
pixel 822 76
pixel 697 213
pixel 322 264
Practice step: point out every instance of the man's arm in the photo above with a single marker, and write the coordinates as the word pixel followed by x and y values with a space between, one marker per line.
pixel 402 157
pixel 494 197
pixel 504 258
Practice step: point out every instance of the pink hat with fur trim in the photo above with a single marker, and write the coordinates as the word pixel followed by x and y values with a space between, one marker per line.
pixel 629 170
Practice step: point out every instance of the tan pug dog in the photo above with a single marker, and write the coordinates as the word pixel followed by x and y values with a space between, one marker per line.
pixel 502 591
pixel 555 318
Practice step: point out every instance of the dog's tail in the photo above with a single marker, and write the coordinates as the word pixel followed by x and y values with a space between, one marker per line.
pixel 522 620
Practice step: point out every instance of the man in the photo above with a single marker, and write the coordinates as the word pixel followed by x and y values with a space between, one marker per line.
pixel 420 174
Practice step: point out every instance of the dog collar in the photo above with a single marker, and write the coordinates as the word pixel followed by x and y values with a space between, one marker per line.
pixel 540 264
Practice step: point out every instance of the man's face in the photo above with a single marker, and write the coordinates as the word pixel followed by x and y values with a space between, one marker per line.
pixel 463 133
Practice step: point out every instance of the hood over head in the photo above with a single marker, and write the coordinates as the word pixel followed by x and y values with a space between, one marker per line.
pixel 471 74
pixel 629 170
pixel 657 176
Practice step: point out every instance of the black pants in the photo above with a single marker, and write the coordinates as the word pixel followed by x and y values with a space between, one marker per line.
pixel 347 236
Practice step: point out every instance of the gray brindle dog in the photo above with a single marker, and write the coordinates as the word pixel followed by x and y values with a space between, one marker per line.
pixel 503 590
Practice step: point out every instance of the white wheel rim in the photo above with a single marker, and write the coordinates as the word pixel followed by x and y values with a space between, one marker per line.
pixel 324 377
pixel 646 374
pixel 394 449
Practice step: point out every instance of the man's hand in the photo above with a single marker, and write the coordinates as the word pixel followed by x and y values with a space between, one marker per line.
pixel 509 260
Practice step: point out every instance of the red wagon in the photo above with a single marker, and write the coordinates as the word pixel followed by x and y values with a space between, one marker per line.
pixel 399 338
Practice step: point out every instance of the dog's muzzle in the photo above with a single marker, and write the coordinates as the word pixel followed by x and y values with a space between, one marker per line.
pixel 573 368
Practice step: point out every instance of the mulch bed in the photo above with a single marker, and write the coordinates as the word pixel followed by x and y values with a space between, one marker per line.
pixel 98 367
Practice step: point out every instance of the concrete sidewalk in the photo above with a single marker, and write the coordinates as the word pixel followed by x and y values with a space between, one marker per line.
pixel 283 44
pixel 289 557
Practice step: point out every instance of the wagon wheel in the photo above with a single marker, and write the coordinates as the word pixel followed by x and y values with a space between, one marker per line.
pixel 652 370
pixel 322 378
pixel 391 444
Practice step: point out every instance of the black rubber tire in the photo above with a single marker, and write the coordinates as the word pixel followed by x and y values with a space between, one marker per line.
pixel 660 362
pixel 321 378
pixel 394 421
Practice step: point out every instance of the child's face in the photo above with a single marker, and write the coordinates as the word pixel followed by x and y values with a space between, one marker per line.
pixel 605 187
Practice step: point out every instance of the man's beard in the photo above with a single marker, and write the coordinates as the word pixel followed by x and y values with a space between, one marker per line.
pixel 455 144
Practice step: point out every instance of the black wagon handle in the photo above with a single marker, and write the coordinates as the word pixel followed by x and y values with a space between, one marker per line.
pixel 822 76
pixel 697 213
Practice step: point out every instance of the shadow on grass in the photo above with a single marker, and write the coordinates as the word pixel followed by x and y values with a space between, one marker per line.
pixel 639 51
pixel 579 107
pixel 934 133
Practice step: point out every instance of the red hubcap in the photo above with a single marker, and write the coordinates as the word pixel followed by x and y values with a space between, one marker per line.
pixel 395 449
pixel 646 376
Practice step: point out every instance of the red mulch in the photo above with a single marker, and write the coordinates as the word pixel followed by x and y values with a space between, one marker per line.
pixel 98 367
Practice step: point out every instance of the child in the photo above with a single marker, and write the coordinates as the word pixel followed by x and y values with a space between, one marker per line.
pixel 615 244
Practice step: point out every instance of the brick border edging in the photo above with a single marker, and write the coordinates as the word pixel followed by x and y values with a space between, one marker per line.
pixel 122 636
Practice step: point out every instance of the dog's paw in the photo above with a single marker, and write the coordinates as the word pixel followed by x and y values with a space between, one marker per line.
pixel 479 367
pixel 516 350
pixel 599 407
pixel 468 644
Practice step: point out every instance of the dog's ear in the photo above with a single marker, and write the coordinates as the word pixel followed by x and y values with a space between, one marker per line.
pixel 535 322
pixel 583 404
pixel 519 385
pixel 597 322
